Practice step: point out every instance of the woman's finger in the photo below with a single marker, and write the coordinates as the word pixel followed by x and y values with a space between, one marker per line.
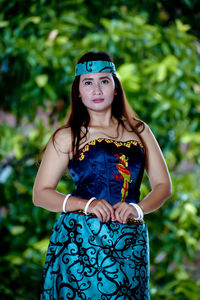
pixel 95 208
pixel 104 214
pixel 126 215
pixel 99 216
pixel 119 211
pixel 129 213
pixel 108 209
pixel 116 205
pixel 111 210
pixel 122 213
pixel 103 209
pixel 118 214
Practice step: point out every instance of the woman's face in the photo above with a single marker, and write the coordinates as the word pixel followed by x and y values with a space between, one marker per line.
pixel 97 91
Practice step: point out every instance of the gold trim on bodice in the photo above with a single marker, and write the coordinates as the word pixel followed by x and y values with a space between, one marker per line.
pixel 109 141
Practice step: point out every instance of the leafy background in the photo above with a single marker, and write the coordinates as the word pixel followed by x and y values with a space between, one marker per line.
pixel 155 45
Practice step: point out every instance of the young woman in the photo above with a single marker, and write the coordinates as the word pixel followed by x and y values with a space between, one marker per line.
pixel 99 245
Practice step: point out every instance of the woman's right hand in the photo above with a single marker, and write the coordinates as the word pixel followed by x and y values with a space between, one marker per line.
pixel 102 209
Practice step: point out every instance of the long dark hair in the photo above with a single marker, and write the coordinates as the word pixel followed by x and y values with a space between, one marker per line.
pixel 79 116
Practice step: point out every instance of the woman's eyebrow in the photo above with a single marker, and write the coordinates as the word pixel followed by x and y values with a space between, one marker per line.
pixel 87 79
pixel 104 77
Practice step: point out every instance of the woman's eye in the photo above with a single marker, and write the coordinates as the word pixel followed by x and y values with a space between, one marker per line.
pixel 88 82
pixel 105 81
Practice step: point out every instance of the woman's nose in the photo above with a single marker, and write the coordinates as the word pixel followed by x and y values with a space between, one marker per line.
pixel 97 89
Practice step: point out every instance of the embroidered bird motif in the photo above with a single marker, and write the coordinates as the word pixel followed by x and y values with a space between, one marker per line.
pixel 123 169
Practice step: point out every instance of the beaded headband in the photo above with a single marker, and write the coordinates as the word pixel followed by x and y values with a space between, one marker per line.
pixel 95 66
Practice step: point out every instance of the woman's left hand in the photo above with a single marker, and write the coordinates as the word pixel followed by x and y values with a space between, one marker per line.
pixel 123 211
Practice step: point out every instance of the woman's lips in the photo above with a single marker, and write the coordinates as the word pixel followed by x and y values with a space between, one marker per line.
pixel 99 100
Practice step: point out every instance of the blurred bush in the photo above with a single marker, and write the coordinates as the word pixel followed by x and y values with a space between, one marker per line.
pixel 160 71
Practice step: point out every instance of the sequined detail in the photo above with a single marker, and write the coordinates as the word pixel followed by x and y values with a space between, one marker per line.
pixel 129 220
pixel 99 140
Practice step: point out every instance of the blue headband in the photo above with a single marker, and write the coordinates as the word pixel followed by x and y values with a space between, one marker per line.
pixel 95 66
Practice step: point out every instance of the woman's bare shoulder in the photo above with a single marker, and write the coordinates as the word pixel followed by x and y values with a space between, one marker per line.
pixel 145 129
pixel 136 123
pixel 147 134
pixel 62 139
pixel 134 134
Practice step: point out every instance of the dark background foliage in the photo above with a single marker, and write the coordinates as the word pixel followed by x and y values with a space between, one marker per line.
pixel 156 50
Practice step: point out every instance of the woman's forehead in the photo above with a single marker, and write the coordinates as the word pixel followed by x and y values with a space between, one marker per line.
pixel 96 75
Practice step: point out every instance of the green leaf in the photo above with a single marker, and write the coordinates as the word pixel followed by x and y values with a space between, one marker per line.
pixel 17 229
pixel 41 80
pixel 190 138
pixel 41 245
pixel 4 24
pixel 182 27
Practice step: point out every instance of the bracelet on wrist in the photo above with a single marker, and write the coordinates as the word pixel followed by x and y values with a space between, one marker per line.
pixel 87 205
pixel 139 211
pixel 65 202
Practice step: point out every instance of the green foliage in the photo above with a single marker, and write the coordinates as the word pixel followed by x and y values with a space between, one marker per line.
pixel 160 71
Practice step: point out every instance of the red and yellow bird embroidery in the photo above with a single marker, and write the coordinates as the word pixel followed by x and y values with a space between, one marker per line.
pixel 123 169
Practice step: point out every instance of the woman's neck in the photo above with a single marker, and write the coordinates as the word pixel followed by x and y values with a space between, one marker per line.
pixel 102 120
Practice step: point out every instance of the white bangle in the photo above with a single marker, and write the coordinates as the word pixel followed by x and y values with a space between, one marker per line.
pixel 64 203
pixel 87 205
pixel 139 211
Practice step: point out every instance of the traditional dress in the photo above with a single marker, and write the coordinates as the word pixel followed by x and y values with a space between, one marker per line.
pixel 91 260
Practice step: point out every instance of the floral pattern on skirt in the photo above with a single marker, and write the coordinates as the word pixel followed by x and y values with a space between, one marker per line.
pixel 91 260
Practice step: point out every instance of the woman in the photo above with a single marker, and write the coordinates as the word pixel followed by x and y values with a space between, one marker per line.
pixel 99 245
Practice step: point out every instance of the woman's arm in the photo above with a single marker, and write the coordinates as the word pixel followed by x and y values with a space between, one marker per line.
pixel 54 163
pixel 157 172
pixel 159 178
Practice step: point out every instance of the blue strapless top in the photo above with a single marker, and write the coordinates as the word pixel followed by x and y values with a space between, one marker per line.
pixel 109 169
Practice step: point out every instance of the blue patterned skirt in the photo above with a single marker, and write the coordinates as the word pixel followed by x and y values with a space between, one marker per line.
pixel 91 260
